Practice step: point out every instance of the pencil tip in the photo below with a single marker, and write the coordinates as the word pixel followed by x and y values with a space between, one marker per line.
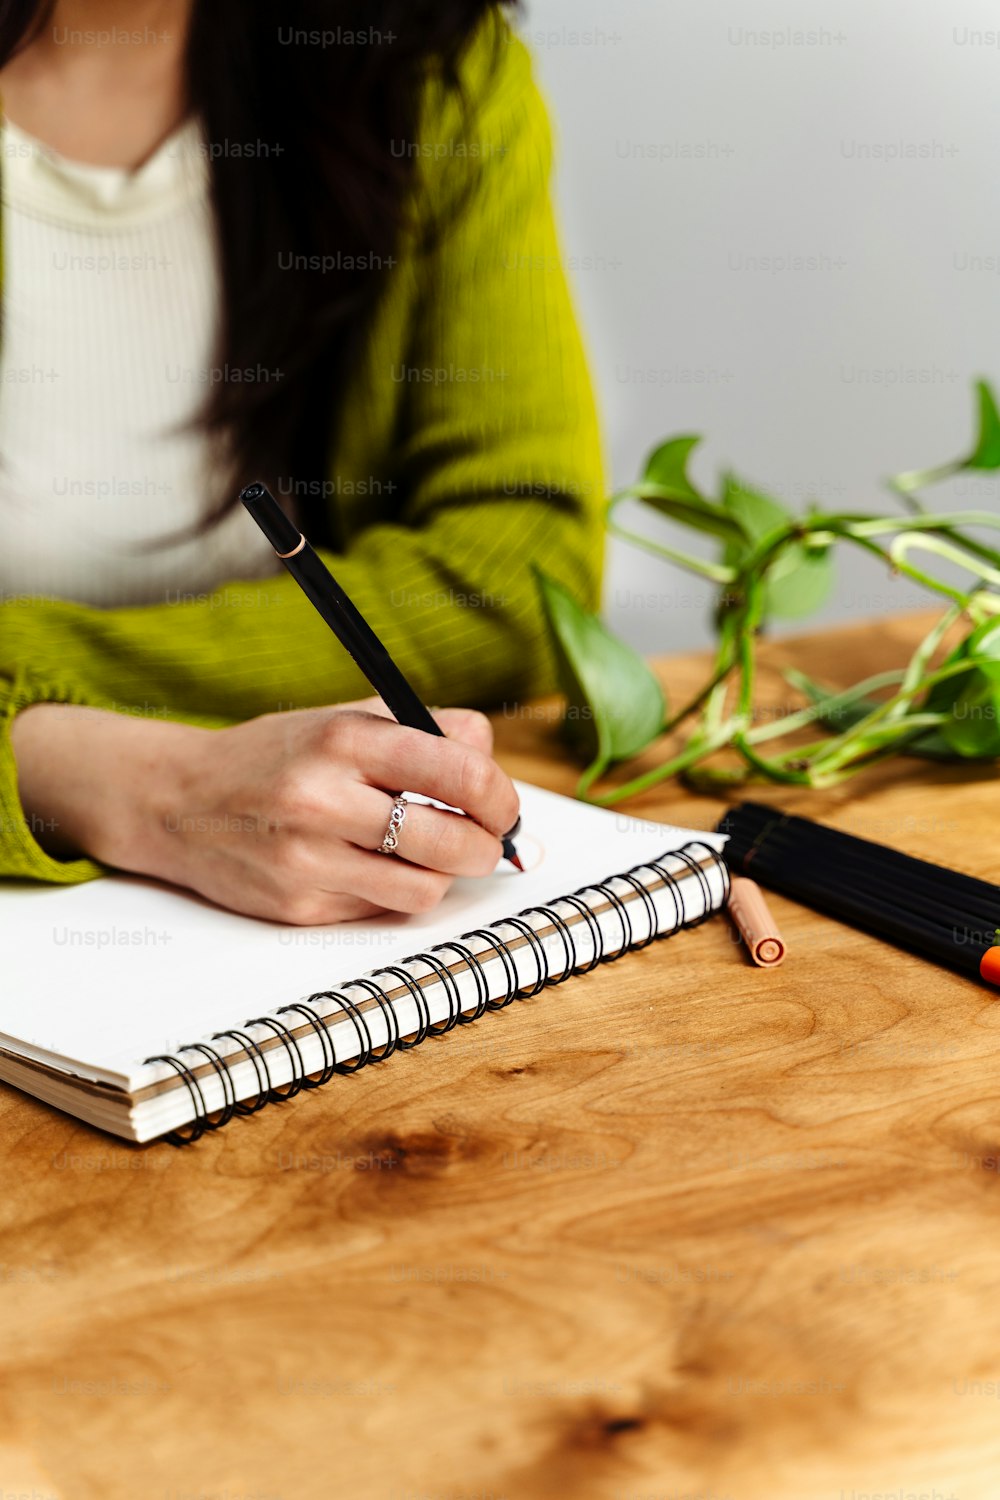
pixel 516 862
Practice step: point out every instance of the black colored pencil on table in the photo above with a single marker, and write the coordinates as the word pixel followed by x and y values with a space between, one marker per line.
pixel 347 622
pixel 752 821
pixel 938 913
pixel 816 856
pixel 755 817
pixel 907 901
pixel 938 908
pixel 939 893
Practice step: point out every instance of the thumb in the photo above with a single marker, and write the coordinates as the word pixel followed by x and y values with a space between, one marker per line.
pixel 468 726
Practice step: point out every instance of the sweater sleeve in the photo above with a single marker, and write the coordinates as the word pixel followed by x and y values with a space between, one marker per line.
pixel 500 466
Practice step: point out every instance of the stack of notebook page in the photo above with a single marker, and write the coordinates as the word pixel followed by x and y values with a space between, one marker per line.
pixel 149 1012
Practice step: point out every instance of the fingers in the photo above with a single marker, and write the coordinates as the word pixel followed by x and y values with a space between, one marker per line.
pixel 311 882
pixel 322 909
pixel 395 758
pixel 393 884
pixel 353 909
pixel 443 841
pixel 467 726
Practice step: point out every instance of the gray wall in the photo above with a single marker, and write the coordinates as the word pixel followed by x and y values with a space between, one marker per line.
pixel 704 145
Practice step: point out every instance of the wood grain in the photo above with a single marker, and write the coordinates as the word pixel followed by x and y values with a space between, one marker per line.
pixel 682 1228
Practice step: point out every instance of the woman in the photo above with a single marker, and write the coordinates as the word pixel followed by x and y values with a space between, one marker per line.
pixel 318 252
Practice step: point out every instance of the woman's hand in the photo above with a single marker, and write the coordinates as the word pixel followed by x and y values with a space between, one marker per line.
pixel 279 817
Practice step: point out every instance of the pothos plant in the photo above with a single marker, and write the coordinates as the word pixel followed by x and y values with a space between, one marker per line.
pixel 773 564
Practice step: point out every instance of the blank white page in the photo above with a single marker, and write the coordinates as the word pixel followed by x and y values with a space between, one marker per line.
pixel 101 976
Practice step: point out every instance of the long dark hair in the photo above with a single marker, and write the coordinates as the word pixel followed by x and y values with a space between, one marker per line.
pixel 301 107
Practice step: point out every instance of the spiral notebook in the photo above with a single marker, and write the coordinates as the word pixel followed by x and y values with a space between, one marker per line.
pixel 125 1002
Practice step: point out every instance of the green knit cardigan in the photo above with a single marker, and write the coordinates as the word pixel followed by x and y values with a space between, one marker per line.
pixel 467 449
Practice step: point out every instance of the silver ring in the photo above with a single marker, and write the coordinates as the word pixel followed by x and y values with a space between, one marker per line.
pixel 396 820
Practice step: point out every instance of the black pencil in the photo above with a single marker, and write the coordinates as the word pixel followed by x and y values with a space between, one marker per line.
pixel 814 846
pixel 882 918
pixel 932 895
pixel 949 925
pixel 347 622
pixel 910 902
pixel 753 819
pixel 938 909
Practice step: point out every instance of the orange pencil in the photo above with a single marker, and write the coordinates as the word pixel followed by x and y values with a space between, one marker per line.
pixel 756 925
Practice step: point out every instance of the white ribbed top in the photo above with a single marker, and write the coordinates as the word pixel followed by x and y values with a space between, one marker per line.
pixel 110 306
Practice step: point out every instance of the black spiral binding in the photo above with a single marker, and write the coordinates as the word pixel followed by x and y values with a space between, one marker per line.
pixel 475 968
pixel 457 955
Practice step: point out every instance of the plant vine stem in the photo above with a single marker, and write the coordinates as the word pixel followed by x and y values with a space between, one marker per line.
pixel 836 777
pixel 714 572
pixel 804 716
pixel 766 554
pixel 917 508
pixel 725 661
pixel 925 521
pixel 719 675
pixel 907 680
pixel 750 622
pixel 864 741
pixel 858 732
pixel 982 606
pixel 892 735
pixel 814 756
pixel 916 479
pixel 597 768
pixel 922 655
pixel 751 574
pixel 750 614
pixel 715 776
pixel 944 528
pixel 696 749
pixel 942 546
pixel 774 770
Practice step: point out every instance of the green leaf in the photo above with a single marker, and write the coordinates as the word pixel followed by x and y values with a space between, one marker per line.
pixel 974 727
pixel 665 487
pixel 972 699
pixel 986 454
pixel 700 515
pixel 931 745
pixel 615 706
pixel 801 578
pixel 667 466
pixel 982 646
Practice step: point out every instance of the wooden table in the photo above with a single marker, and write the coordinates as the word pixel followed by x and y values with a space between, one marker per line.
pixel 681 1228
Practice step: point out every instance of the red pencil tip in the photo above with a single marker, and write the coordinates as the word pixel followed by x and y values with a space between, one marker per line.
pixel 516 862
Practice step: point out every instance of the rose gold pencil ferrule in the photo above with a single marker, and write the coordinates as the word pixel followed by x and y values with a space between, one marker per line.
pixel 295 550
